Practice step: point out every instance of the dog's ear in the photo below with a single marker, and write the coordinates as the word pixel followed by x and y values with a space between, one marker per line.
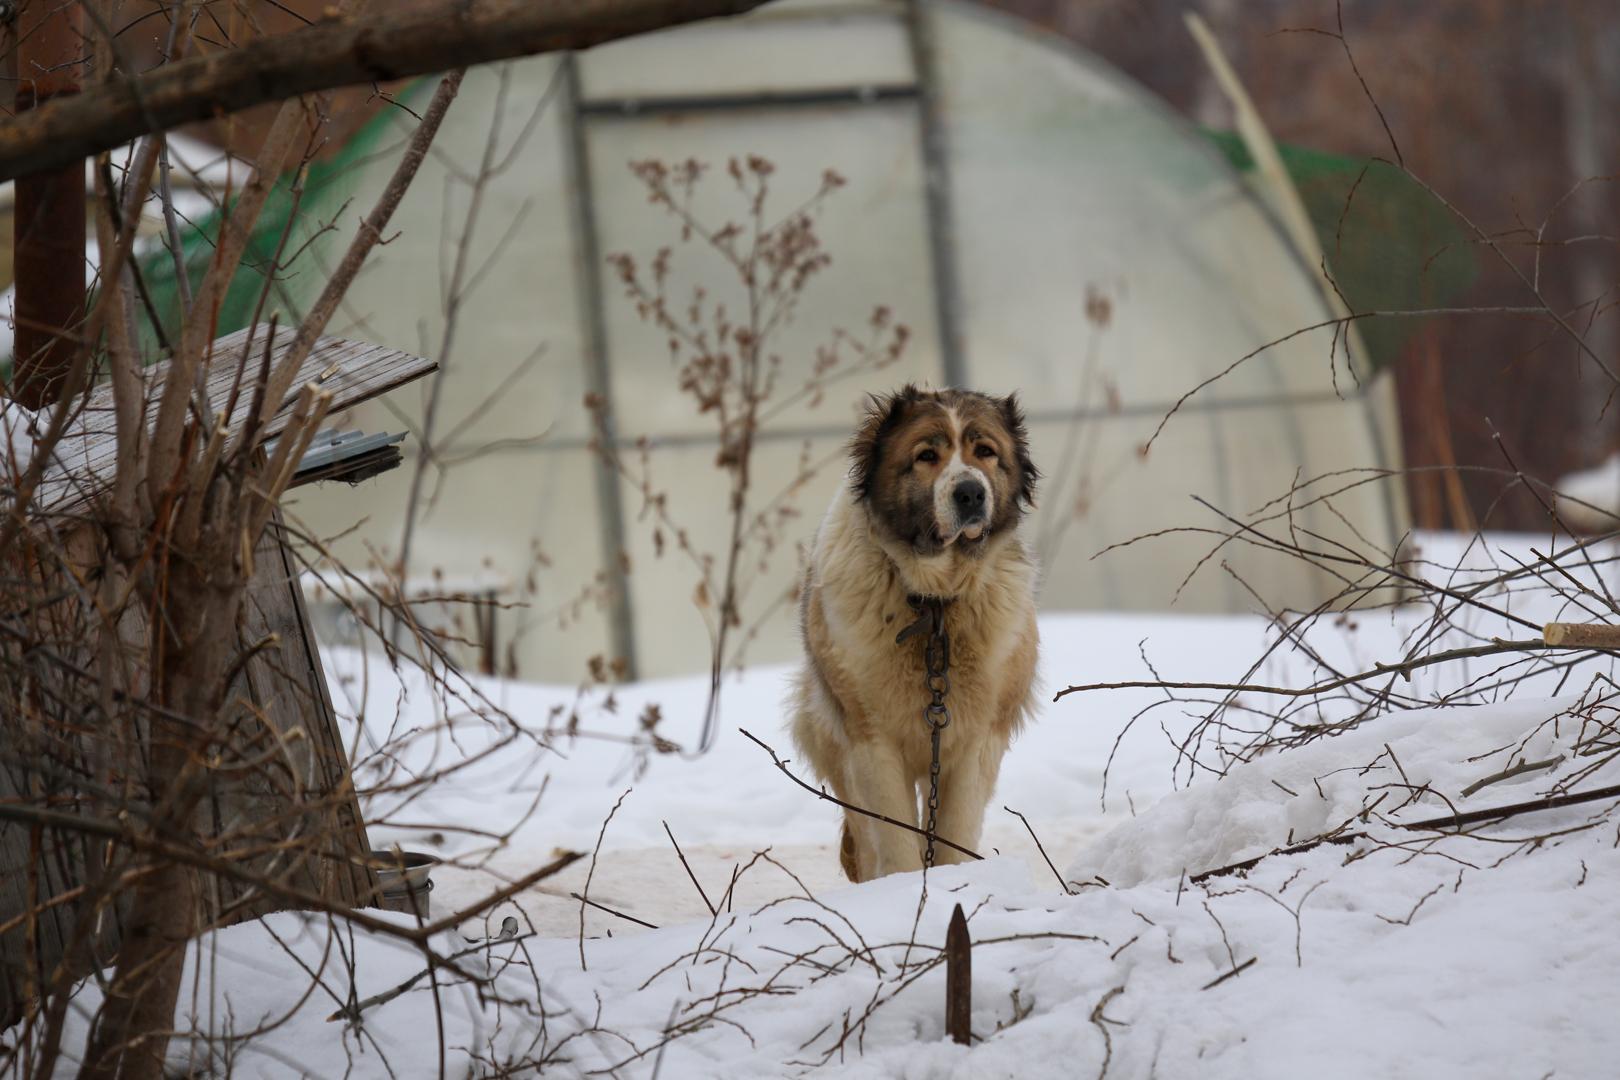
pixel 883 414
pixel 1012 415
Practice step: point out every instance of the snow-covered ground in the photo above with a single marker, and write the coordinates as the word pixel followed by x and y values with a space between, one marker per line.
pixel 1397 953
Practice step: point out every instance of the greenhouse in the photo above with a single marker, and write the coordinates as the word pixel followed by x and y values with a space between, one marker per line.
pixel 1037 222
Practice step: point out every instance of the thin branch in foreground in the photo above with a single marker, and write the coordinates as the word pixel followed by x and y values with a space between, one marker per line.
pixel 1041 848
pixel 612 911
pixel 687 866
pixel 1507 774
pixel 1102 1023
pixel 585 891
pixel 820 794
pixel 1234 973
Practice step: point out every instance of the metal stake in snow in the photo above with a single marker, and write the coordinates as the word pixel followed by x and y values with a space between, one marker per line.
pixel 958 979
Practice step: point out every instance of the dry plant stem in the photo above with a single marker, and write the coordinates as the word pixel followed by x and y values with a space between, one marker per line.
pixel 185 16
pixel 1041 848
pixel 1231 974
pixel 588 902
pixel 367 237
pixel 688 868
pixel 590 873
pixel 1102 1023
pixel 818 793
pixel 124 369
pixel 424 38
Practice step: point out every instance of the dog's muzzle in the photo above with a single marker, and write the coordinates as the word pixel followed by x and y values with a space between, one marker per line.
pixel 969 501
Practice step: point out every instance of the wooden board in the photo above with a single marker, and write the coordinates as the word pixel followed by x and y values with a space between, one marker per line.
pixel 301 803
pixel 352 371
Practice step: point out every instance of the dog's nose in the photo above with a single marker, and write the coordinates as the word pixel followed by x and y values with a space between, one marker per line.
pixel 969 498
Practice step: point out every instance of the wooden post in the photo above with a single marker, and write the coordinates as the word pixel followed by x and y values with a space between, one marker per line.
pixel 49 216
pixel 958 979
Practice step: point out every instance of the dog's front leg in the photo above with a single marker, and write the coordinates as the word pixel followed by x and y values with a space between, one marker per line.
pixel 965 786
pixel 878 782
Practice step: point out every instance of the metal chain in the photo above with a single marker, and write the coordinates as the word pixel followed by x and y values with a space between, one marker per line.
pixel 937 680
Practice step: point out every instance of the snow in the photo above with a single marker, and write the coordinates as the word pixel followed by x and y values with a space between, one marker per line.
pixel 16 440
pixel 1592 496
pixel 1395 954
pixel 1435 754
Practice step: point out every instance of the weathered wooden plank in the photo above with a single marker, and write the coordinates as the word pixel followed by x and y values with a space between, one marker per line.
pixel 351 371
pixel 302 801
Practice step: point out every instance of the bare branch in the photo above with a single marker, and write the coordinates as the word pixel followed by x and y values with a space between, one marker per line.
pixel 336 51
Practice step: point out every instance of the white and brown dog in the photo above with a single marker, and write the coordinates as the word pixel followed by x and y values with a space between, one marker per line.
pixel 938 483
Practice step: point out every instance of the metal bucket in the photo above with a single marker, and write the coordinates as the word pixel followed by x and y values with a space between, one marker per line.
pixel 403 882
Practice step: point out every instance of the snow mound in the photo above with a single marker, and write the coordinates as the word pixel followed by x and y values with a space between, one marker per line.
pixel 1407 767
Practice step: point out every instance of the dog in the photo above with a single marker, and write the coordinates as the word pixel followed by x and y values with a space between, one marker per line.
pixel 938 483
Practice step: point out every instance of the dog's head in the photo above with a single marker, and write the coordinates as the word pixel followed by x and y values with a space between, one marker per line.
pixel 943 469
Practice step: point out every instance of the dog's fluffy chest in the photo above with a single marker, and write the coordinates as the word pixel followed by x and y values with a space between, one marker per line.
pixel 889 677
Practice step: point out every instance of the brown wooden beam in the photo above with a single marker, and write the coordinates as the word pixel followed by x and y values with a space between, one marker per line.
pixel 49 220
pixel 432 36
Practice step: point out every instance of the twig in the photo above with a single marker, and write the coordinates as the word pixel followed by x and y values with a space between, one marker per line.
pixel 1234 973
pixel 696 884
pixel 1410 915
pixel 1512 771
pixel 818 793
pixel 585 891
pixel 1102 1023
pixel 1550 802
pixel 612 911
pixel 1041 848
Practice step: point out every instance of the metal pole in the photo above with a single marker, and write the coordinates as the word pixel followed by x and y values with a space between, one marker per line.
pixel 49 243
pixel 937 195
pixel 598 376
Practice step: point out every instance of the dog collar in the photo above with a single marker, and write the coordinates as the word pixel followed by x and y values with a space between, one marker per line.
pixel 926 608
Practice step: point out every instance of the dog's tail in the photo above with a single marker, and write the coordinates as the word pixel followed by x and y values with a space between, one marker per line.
pixel 846 852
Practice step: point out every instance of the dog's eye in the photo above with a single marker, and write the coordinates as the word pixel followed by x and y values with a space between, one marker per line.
pixel 984 450
pixel 928 456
